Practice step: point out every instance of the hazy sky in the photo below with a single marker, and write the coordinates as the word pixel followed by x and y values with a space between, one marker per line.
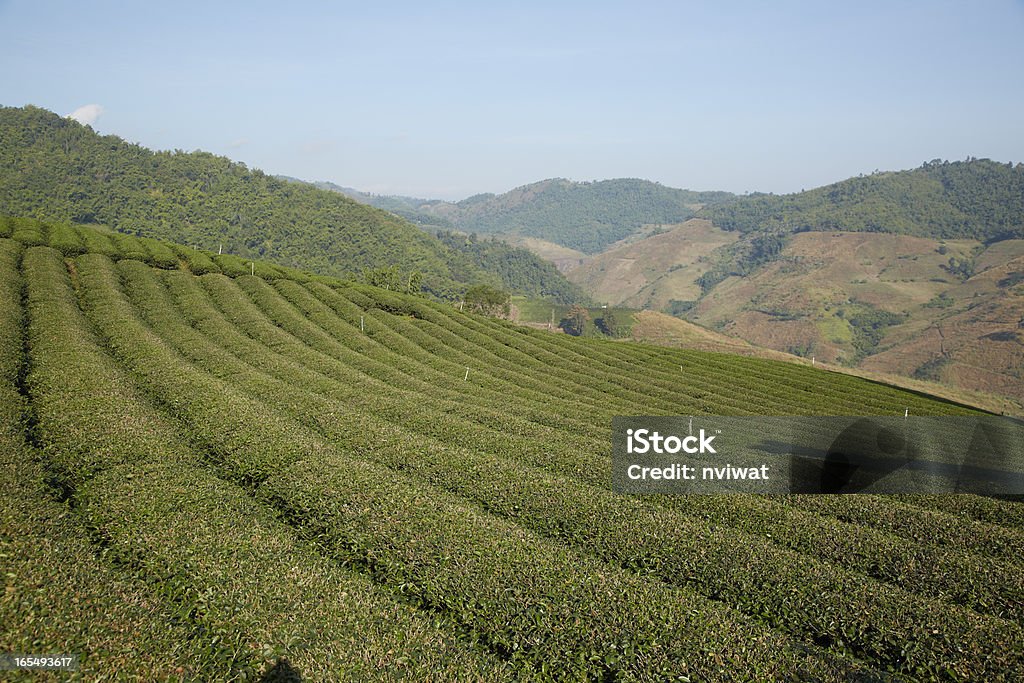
pixel 447 99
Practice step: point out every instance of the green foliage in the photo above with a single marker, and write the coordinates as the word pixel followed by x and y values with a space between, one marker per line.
pixel 487 300
pixel 390 278
pixel 976 199
pixel 198 262
pixel 29 231
pixel 869 324
pixel 743 258
pixel 588 216
pixel 962 268
pixel 306 476
pixel 515 269
pixel 57 169
pixel 940 300
pixel 680 308
pixel 1012 279
pixel 575 321
pixel 96 240
pixel 931 370
pixel 609 323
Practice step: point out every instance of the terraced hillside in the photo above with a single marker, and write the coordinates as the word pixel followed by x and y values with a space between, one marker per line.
pixel 240 476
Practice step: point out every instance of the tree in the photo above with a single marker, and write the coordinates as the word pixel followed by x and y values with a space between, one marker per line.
pixel 487 300
pixel 385 278
pixel 963 268
pixel 575 322
pixel 415 282
pixel 609 323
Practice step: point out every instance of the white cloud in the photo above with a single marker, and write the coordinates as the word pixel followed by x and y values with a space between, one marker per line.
pixel 87 114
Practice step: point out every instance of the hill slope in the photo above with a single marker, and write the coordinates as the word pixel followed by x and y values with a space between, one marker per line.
pixel 519 270
pixel 499 263
pixel 55 168
pixel 911 272
pixel 338 480
pixel 653 272
pixel 974 199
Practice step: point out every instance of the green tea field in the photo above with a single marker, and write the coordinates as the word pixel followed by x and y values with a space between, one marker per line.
pixel 217 470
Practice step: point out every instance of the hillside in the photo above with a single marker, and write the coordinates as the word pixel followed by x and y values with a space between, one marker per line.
pixel 584 216
pixel 909 273
pixel 887 303
pixel 497 262
pixel 879 302
pixel 519 270
pixel 655 273
pixel 659 328
pixel 975 199
pixel 274 476
pixel 414 210
pixel 56 169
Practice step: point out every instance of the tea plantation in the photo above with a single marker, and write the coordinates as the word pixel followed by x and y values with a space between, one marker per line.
pixel 217 470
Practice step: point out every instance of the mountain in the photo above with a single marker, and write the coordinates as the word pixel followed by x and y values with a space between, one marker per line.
pixel 914 272
pixel 977 199
pixel 55 168
pixel 950 311
pixel 588 216
pixel 584 216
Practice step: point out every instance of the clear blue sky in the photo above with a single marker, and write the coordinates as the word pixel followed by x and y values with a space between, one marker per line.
pixel 447 99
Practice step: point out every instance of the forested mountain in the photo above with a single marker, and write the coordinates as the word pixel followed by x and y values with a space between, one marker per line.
pixel 588 216
pixel 55 168
pixel 974 199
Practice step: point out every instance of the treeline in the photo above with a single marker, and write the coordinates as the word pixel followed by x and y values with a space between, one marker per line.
pixel 976 199
pixel 519 270
pixel 57 169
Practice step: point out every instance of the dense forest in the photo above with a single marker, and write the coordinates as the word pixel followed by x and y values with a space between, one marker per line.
pixel 57 169
pixel 417 211
pixel 977 198
pixel 519 270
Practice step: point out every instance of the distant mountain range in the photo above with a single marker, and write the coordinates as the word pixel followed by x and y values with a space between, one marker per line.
pixel 585 216
pixel 919 273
